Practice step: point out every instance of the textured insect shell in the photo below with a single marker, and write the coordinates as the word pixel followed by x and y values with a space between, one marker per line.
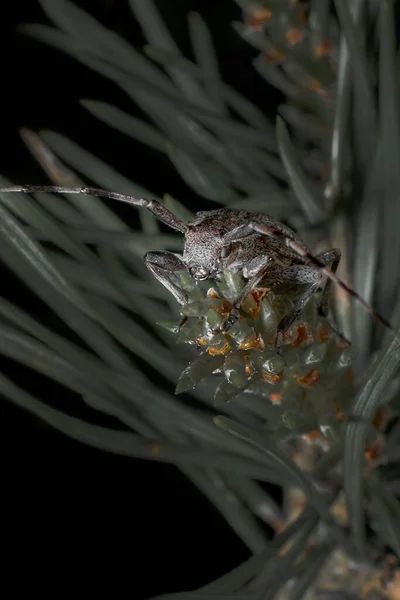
pixel 203 249
pixel 203 243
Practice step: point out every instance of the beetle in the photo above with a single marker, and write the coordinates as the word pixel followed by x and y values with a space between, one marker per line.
pixel 263 250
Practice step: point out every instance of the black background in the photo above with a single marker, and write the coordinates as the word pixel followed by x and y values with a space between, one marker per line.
pixel 74 517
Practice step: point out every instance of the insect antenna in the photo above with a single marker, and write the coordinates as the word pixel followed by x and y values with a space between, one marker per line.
pixel 329 273
pixel 302 251
pixel 161 212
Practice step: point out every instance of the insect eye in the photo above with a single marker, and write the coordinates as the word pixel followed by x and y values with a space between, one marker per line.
pixel 198 273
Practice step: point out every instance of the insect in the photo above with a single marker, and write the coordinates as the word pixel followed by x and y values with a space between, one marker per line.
pixel 260 248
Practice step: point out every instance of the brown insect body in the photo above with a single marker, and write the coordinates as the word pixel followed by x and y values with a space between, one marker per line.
pixel 206 253
pixel 238 240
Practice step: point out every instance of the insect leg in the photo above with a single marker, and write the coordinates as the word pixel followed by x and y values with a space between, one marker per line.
pixel 299 275
pixel 161 212
pixel 164 266
pixel 294 243
pixel 331 257
pixel 250 285
pixel 303 275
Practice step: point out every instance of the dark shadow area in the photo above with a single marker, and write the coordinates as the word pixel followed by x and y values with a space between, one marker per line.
pixel 74 517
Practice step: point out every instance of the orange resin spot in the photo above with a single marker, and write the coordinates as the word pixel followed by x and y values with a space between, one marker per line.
pixel 339 414
pixel 324 48
pixel 312 435
pixel 323 334
pixel 258 18
pixel 201 341
pixel 311 379
pixel 225 308
pixel 211 293
pixel 215 350
pixel 287 336
pixel 304 334
pixel 315 85
pixel 155 449
pixel 249 370
pixel 294 36
pixel 258 296
pixel 341 344
pixel 372 588
pixel 274 56
pixel 275 397
pixel 254 342
pixel 271 377
pixel 372 452
pixel 379 418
